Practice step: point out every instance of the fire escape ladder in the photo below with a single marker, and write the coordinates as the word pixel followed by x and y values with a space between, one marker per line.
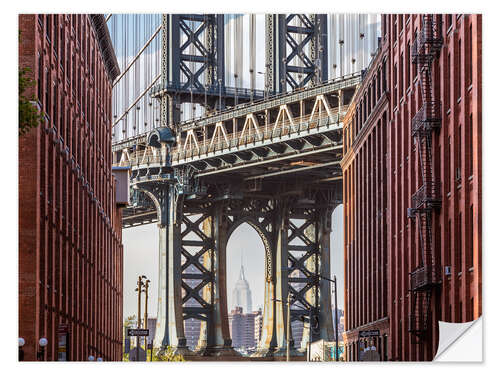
pixel 427 121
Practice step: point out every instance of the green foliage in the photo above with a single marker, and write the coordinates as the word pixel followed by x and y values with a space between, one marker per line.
pixel 28 113
pixel 167 355
pixel 130 321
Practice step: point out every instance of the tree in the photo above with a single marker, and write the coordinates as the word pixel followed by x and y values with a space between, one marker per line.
pixel 29 117
pixel 167 355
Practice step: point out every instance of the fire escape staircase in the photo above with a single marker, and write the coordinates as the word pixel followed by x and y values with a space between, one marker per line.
pixel 427 199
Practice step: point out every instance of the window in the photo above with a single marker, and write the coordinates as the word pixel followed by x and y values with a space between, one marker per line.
pixel 447 164
pixel 54 110
pixel 56 33
pixel 395 82
pixel 400 83
pixel 394 27
pixel 48 30
pixel 470 250
pixel 471 310
pixel 459 154
pixel 470 138
pixel 40 78
pixel 450 80
pixel 459 242
pixel 470 55
pixel 448 245
pixel 408 65
pixel 47 92
pixel 459 69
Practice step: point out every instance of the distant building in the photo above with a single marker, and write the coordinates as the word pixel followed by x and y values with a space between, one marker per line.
pixel 242 296
pixel 244 328
pixel 192 326
pixel 152 329
pixel 258 327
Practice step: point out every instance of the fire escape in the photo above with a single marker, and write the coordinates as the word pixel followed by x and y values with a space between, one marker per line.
pixel 427 199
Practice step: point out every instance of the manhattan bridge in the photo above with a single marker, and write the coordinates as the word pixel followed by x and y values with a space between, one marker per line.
pixel 231 119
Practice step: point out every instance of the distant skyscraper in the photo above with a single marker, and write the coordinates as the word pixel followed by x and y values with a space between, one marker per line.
pixel 242 296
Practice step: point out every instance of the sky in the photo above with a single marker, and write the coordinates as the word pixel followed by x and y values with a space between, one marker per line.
pixel 140 246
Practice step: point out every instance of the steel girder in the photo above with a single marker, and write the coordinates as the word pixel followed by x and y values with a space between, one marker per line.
pixel 296 50
pixel 192 47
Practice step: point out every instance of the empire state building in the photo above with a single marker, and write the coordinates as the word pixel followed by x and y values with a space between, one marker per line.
pixel 242 296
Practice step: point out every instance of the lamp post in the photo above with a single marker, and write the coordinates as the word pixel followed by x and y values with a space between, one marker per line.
pixel 336 321
pixel 41 353
pixel 139 290
pixel 146 288
pixel 334 281
pixel 21 352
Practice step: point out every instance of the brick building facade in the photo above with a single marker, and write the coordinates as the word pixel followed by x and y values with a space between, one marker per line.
pixel 70 248
pixel 412 186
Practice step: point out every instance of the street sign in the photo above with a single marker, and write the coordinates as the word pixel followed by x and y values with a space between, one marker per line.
pixel 137 332
pixel 370 333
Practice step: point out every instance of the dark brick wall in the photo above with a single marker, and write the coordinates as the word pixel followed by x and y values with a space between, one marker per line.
pixel 70 252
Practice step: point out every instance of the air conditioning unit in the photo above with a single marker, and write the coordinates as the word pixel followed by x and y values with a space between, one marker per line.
pixel 447 270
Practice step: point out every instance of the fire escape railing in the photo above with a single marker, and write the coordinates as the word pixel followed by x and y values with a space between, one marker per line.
pixel 427 199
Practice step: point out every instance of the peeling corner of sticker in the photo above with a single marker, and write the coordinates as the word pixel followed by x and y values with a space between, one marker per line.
pixel 460 342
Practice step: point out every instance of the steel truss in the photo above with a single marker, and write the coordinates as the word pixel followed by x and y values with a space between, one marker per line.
pixel 195 223
pixel 296 53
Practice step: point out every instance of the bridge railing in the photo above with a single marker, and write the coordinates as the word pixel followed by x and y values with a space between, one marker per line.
pixel 240 138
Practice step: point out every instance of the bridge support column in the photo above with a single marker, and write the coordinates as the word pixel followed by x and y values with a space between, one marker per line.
pixel 281 272
pixel 170 327
pixel 325 304
pixel 215 337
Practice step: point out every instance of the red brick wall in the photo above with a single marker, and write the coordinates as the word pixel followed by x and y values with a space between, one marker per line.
pixel 365 202
pixel 70 252
pixel 456 229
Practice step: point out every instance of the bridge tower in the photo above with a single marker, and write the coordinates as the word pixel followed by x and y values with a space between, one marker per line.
pixel 272 164
pixel 296 50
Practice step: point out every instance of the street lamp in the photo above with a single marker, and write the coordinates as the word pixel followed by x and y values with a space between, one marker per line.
pixel 334 281
pixel 21 352
pixel 139 289
pixel 41 353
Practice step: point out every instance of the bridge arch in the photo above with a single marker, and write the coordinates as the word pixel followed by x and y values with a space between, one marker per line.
pixel 267 282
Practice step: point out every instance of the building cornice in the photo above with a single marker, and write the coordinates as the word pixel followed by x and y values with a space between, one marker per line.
pixel 98 22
